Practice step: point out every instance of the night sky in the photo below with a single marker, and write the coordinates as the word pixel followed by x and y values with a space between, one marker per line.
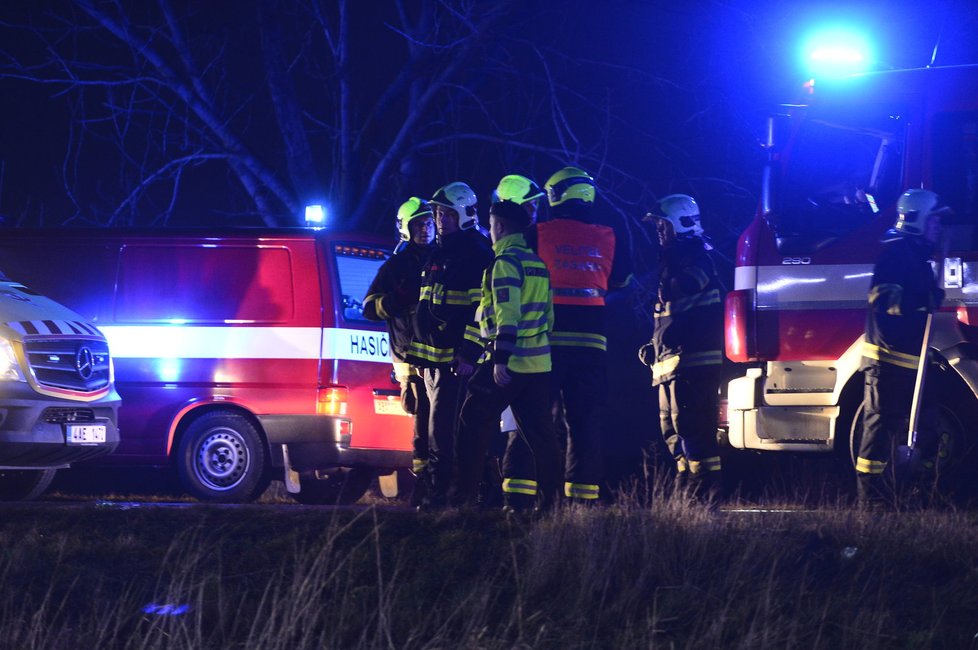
pixel 651 97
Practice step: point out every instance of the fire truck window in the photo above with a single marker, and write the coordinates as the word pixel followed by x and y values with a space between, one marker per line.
pixel 197 284
pixel 357 270
pixel 840 170
pixel 955 170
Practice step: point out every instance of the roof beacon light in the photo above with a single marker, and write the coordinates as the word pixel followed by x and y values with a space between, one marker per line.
pixel 315 216
pixel 837 52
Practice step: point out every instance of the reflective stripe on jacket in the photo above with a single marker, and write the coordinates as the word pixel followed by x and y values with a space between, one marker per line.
pixel 516 309
pixel 688 333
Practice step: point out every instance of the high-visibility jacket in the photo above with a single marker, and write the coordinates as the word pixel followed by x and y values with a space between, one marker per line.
pixel 688 333
pixel 904 290
pixel 515 312
pixel 582 261
pixel 450 293
pixel 393 296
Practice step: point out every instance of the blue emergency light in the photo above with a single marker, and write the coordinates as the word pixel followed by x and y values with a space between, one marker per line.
pixel 835 52
pixel 316 216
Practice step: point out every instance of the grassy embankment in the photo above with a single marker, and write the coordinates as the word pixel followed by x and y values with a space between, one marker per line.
pixel 676 576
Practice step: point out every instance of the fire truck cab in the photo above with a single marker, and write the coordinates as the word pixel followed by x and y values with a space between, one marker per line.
pixel 836 166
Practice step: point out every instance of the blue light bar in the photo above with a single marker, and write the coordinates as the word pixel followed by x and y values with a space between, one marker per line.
pixel 316 216
pixel 834 52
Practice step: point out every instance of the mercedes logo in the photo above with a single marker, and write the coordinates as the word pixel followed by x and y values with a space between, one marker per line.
pixel 84 362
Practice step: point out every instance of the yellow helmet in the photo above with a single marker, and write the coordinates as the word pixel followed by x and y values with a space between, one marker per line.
pixel 516 188
pixel 410 210
pixel 569 184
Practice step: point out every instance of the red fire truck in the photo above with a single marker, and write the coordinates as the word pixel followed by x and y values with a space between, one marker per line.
pixel 236 352
pixel 836 166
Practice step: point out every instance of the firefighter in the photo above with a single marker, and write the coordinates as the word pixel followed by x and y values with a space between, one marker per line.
pixel 685 353
pixel 515 318
pixel 393 298
pixel 904 291
pixel 450 291
pixel 585 259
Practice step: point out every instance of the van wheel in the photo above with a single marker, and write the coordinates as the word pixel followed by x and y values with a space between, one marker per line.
pixel 222 458
pixel 24 484
pixel 342 487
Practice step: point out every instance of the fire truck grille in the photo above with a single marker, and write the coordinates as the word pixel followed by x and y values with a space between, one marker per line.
pixel 81 365
pixel 59 415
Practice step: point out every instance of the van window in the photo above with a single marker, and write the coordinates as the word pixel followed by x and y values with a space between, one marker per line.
pixel 45 268
pixel 205 283
pixel 356 268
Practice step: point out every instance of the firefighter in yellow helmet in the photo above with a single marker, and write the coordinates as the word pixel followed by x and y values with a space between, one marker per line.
pixel 903 292
pixel 514 321
pixel 685 354
pixel 393 298
pixel 585 259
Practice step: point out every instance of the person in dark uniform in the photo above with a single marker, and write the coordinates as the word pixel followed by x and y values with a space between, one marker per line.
pixel 450 293
pixel 393 298
pixel 903 292
pixel 685 354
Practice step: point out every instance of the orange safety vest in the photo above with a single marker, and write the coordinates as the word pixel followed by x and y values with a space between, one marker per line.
pixel 579 256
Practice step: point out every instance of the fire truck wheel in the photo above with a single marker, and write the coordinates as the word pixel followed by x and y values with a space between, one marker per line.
pixel 222 458
pixel 24 484
pixel 342 487
pixel 953 454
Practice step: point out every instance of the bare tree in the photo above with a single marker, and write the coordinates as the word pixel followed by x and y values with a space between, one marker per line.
pixel 177 109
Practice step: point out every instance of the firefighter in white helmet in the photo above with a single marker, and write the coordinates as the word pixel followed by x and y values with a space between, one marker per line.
pixel 903 292
pixel 450 292
pixel 393 298
pixel 685 353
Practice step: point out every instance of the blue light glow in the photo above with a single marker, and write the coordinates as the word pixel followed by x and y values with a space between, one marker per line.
pixel 316 216
pixel 167 609
pixel 833 52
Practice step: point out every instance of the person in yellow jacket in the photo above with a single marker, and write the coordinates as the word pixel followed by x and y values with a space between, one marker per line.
pixel 515 317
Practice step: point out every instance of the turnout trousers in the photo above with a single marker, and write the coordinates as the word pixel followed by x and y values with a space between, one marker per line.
pixel 688 410
pixel 886 421
pixel 578 396
pixel 530 470
pixel 445 392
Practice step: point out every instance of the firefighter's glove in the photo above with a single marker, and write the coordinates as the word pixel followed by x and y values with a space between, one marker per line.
pixel 500 375
pixel 646 354
pixel 411 394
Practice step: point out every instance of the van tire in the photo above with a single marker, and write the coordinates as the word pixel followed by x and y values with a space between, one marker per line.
pixel 24 484
pixel 340 488
pixel 222 458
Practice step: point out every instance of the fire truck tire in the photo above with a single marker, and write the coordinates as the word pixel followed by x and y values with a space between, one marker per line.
pixel 24 484
pixel 955 450
pixel 342 487
pixel 222 458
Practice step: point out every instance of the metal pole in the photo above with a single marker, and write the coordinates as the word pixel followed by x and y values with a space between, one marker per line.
pixel 918 387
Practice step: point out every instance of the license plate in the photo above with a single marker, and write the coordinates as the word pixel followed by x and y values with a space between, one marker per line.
pixel 85 434
pixel 391 406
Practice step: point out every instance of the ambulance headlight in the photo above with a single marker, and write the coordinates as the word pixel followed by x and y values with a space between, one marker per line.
pixel 9 367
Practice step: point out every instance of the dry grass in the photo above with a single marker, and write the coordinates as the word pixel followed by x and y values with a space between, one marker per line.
pixel 672 576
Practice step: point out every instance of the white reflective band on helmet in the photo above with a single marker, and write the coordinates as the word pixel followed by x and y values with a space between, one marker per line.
pixel 245 342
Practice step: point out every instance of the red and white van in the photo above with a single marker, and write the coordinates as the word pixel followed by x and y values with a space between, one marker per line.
pixel 236 352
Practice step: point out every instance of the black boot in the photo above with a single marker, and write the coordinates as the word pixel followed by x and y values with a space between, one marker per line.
pixel 872 492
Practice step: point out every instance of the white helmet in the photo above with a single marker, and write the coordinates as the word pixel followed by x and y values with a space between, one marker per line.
pixel 682 212
pixel 459 197
pixel 410 210
pixel 913 208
